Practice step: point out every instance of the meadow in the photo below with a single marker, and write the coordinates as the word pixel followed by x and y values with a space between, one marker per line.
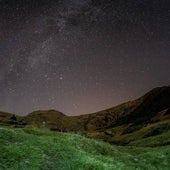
pixel 41 149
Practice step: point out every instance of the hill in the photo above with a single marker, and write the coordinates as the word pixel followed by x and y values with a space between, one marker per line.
pixel 136 122
pixel 143 118
pixel 37 149
pixel 8 118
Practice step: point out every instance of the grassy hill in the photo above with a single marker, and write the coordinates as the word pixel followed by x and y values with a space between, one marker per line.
pixel 139 130
pixel 40 149
pixel 130 123
pixel 124 124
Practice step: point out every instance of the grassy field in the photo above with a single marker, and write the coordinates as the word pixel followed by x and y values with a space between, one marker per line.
pixel 40 149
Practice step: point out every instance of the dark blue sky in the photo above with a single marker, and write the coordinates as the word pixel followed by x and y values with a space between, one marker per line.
pixel 81 56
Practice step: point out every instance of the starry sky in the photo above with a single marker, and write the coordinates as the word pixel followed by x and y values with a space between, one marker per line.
pixel 81 56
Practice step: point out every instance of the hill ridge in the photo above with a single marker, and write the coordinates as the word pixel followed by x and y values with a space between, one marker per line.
pixel 122 124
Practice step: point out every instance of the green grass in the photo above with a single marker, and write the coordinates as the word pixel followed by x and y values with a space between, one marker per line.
pixel 37 149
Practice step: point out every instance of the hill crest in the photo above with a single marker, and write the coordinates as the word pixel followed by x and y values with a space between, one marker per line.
pixel 148 115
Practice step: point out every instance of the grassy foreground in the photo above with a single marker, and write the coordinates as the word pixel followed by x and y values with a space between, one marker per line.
pixel 35 149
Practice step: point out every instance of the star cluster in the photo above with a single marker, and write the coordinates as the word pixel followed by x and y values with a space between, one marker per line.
pixel 81 56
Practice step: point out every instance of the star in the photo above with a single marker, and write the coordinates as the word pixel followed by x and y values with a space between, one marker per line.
pixel 81 55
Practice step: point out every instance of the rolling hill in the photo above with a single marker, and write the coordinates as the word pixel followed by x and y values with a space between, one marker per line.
pixel 39 149
pixel 136 122
pixel 137 135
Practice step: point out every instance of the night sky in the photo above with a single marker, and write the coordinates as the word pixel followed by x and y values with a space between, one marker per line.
pixel 81 56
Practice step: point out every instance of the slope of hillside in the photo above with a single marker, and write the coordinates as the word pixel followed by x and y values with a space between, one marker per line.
pixel 44 118
pixel 35 149
pixel 148 117
pixel 125 124
pixel 8 118
pixel 5 116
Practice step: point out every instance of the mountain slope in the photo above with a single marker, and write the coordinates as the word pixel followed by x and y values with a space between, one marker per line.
pixel 125 124
pixel 41 149
pixel 149 115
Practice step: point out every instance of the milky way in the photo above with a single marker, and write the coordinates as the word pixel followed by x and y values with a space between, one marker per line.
pixel 81 56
